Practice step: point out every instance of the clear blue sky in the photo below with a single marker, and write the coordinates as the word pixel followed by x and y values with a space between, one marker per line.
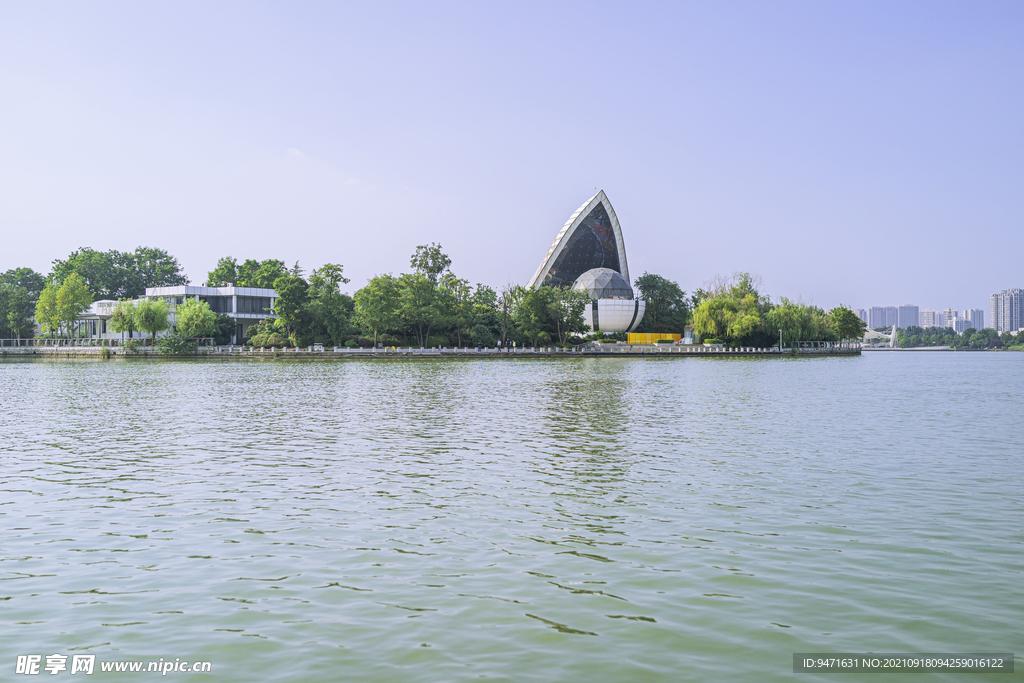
pixel 869 153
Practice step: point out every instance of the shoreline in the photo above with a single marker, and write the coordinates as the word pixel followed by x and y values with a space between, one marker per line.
pixel 236 353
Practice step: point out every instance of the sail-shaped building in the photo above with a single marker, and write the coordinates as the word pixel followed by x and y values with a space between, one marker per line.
pixel 589 255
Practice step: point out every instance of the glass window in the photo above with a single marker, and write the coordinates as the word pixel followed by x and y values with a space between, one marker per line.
pixel 591 245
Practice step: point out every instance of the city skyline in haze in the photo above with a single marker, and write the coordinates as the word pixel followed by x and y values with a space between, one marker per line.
pixel 859 154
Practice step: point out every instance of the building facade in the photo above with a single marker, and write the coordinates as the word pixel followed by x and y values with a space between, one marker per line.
pixel 882 316
pixel 961 324
pixel 1006 310
pixel 245 305
pixel 929 318
pixel 907 315
pixel 976 317
pixel 589 254
pixel 949 317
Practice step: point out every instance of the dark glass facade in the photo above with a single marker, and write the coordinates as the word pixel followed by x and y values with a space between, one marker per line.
pixel 254 304
pixel 591 245
pixel 218 304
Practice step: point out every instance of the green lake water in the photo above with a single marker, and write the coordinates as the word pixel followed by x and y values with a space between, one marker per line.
pixel 581 519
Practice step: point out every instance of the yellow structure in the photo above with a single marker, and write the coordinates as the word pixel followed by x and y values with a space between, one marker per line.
pixel 651 337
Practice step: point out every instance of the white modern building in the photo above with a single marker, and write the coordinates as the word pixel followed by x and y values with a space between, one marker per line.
pixel 245 305
pixel 589 254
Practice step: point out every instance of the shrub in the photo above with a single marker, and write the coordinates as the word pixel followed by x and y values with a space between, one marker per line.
pixel 175 344
pixel 276 339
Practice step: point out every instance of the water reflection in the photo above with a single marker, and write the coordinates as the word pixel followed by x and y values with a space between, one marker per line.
pixel 608 519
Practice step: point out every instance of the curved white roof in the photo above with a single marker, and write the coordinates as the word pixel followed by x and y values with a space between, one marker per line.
pixel 570 227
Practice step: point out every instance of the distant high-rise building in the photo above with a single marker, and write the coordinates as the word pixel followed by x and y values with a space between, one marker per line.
pixel 960 324
pixel 876 317
pixel 907 316
pixel 1006 310
pixel 929 318
pixel 976 316
pixel 862 314
pixel 882 316
pixel 949 317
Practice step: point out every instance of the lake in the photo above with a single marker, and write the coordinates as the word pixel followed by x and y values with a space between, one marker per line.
pixel 597 519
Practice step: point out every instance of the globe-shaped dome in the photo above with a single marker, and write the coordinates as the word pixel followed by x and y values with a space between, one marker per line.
pixel 604 283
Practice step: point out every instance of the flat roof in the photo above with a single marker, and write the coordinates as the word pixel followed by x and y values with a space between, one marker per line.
pixel 187 290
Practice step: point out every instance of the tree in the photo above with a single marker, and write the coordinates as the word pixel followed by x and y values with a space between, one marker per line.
pixel 115 275
pixel 123 319
pixel 485 319
pixel 733 310
pixel 151 316
pixel 507 304
pixel 149 267
pixel 15 312
pixel 27 278
pixel 666 307
pixel 194 318
pixel 47 313
pixel 73 299
pixel 250 273
pixel 419 310
pixel 846 323
pixel 225 274
pixel 265 274
pixel 533 315
pixel 457 301
pixel 378 305
pixel 329 311
pixel 430 262
pixel 95 268
pixel 800 322
pixel 223 329
pixel 328 278
pixel 566 309
pixel 290 305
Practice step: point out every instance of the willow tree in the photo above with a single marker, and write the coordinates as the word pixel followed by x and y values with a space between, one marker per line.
pixel 47 314
pixel 734 311
pixel 123 318
pixel 194 318
pixel 151 316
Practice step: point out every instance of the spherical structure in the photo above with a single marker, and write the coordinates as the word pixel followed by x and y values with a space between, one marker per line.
pixel 604 283
pixel 614 315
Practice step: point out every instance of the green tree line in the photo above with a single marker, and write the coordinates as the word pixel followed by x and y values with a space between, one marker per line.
pixel 429 306
pixel 987 338
pixel 735 313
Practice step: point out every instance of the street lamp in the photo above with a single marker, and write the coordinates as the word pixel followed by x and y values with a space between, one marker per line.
pixel 780 340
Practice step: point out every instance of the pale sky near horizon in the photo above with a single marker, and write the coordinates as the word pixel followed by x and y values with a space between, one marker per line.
pixel 865 153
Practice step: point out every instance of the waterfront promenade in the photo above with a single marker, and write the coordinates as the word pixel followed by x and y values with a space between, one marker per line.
pixel 320 352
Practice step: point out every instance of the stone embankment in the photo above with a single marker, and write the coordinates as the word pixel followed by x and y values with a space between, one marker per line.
pixel 600 350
